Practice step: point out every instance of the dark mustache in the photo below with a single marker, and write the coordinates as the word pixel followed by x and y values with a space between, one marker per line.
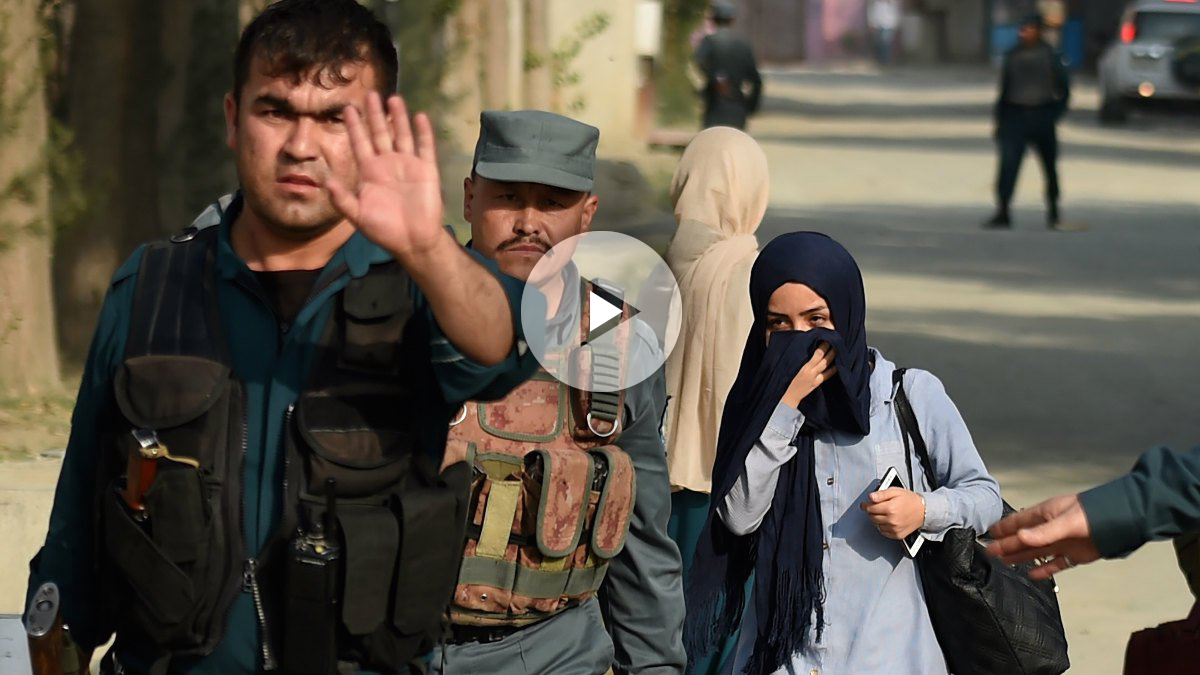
pixel 525 241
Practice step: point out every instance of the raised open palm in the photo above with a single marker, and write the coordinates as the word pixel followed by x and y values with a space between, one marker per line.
pixel 398 202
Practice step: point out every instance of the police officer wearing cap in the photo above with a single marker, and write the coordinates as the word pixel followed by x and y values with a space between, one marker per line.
pixel 1034 89
pixel 568 567
pixel 732 84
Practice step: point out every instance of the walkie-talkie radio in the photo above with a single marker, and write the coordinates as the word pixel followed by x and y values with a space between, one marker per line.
pixel 311 578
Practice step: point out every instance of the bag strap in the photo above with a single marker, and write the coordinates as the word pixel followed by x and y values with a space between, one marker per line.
pixel 909 429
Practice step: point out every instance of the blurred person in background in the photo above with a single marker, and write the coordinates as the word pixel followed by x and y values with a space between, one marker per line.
pixel 1034 91
pixel 720 192
pixel 732 84
pixel 809 429
pixel 883 18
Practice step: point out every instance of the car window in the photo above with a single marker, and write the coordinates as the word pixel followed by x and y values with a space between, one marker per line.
pixel 1166 26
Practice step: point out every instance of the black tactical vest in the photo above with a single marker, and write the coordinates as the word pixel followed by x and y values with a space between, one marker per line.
pixel 171 506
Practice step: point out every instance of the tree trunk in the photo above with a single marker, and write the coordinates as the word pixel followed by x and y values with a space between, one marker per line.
pixel 538 90
pixel 155 155
pixel 496 49
pixel 28 359
pixel 87 253
pixel 197 42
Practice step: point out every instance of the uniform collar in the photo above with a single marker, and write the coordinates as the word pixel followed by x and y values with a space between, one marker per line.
pixel 357 254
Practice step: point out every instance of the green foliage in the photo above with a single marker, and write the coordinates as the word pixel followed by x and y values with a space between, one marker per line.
pixel 561 60
pixel 677 102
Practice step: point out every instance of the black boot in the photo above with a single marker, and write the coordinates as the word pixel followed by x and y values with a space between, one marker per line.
pixel 998 221
pixel 1052 215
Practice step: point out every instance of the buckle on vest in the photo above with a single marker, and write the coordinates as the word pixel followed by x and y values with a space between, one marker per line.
pixel 616 424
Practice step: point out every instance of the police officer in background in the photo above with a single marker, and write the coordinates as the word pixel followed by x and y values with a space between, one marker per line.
pixel 1034 90
pixel 732 84
pixel 252 479
pixel 568 567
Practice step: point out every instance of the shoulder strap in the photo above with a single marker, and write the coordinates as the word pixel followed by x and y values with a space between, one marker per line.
pixel 174 300
pixel 609 366
pixel 910 430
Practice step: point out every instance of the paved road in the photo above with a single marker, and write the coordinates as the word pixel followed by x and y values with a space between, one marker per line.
pixel 1067 352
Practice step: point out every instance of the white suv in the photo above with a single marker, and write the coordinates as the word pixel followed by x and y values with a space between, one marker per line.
pixel 1156 58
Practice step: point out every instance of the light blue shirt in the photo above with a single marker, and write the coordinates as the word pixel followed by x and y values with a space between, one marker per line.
pixel 876 622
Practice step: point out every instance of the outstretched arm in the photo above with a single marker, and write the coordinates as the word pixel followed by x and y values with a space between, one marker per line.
pixel 1159 498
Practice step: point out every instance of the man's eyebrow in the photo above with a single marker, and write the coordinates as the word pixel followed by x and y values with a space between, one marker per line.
pixel 270 100
pixel 285 106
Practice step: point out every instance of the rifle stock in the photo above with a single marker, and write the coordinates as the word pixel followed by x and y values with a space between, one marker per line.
pixel 51 650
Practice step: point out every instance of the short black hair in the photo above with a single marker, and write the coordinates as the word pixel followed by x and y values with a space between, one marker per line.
pixel 294 36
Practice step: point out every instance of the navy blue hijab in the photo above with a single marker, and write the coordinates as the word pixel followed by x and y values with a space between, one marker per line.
pixel 785 553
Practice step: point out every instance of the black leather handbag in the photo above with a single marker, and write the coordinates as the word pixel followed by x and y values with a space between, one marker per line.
pixel 989 618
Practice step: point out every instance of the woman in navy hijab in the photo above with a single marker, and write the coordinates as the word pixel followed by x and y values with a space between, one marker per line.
pixel 808 431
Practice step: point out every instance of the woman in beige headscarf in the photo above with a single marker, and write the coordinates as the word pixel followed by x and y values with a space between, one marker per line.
pixel 720 196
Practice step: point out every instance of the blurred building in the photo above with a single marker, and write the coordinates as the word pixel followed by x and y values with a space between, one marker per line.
pixel 583 58
pixel 931 31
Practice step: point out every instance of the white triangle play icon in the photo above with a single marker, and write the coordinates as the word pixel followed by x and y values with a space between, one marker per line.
pixel 601 310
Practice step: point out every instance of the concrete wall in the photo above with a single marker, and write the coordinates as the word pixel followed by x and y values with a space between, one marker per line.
pixel 608 70
pixel 493 38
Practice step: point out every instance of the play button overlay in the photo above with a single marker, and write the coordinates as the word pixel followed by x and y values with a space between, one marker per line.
pixel 604 308
pixel 615 311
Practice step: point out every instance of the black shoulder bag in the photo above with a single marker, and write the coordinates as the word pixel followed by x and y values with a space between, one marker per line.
pixel 989 618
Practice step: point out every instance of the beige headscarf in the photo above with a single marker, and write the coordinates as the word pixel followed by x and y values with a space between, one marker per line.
pixel 720 194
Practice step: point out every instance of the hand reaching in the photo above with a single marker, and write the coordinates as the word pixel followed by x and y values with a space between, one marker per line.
pixel 398 202
pixel 1057 529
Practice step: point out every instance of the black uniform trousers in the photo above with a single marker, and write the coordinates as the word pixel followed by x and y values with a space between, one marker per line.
pixel 1018 128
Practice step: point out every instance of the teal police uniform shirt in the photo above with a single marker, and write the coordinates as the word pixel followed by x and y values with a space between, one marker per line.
pixel 272 360
pixel 1158 499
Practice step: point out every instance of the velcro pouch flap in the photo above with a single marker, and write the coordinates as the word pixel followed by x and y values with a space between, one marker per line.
pixel 358 438
pixel 372 536
pixel 615 508
pixel 376 296
pixel 158 392
pixel 566 486
pixel 531 413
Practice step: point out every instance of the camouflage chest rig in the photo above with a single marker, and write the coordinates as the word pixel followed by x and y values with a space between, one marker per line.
pixel 552 493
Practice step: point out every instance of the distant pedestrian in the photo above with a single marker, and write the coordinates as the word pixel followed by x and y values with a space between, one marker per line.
pixel 732 84
pixel 1034 90
pixel 883 18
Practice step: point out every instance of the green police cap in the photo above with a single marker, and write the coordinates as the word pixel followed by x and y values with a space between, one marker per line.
pixel 723 10
pixel 532 146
